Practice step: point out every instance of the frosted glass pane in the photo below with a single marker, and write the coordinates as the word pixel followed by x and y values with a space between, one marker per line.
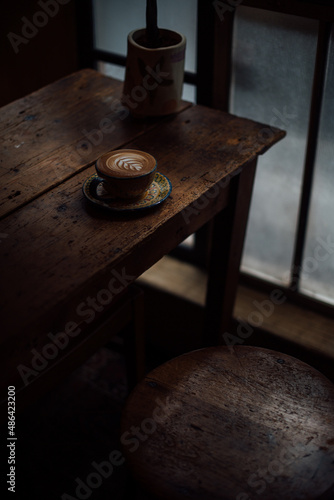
pixel 273 63
pixel 317 277
pixel 113 20
pixel 113 70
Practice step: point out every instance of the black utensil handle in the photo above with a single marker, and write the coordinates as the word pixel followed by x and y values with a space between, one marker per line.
pixel 152 30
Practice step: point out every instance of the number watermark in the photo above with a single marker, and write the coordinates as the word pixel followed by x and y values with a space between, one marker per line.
pixel 11 440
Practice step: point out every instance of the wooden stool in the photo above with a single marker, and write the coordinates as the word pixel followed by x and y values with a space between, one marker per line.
pixel 235 423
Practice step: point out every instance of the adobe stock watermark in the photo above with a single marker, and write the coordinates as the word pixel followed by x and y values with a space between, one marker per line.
pixel 130 440
pixel 262 310
pixel 222 7
pixel 262 477
pixel 30 27
pixel 87 309
pixel 152 79
pixel 279 119
pixel 197 206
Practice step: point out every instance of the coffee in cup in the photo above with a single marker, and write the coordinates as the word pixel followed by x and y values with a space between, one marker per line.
pixel 126 173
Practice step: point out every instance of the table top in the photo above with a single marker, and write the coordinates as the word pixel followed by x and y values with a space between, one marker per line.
pixel 232 423
pixel 58 250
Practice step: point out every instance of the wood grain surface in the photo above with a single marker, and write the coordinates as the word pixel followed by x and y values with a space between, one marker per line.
pixel 54 133
pixel 58 250
pixel 232 424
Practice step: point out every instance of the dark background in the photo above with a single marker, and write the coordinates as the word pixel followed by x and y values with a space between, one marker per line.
pixel 49 55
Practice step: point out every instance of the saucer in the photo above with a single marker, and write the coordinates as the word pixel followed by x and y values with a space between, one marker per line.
pixel 158 191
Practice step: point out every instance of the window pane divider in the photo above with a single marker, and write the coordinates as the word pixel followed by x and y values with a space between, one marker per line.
pixel 311 148
pixel 321 10
pixel 120 60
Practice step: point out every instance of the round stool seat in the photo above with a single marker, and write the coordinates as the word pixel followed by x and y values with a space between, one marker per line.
pixel 229 423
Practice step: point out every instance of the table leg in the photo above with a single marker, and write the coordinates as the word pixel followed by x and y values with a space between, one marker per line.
pixel 134 341
pixel 229 228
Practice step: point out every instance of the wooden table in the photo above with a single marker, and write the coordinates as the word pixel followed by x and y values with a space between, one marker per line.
pixel 59 252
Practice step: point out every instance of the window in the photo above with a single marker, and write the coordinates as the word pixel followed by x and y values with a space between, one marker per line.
pixel 275 56
pixel 274 60
pixel 273 84
pixel 317 279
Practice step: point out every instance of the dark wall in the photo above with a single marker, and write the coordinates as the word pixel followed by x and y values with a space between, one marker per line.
pixel 38 45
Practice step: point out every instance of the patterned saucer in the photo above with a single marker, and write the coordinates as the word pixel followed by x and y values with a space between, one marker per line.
pixel 159 190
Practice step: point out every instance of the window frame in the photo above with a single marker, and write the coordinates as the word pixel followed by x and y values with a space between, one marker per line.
pixel 213 80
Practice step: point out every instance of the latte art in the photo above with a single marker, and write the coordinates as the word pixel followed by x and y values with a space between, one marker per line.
pixel 124 163
pixel 126 173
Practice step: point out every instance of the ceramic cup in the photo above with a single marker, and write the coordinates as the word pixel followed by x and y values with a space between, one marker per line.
pixel 154 77
pixel 126 173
